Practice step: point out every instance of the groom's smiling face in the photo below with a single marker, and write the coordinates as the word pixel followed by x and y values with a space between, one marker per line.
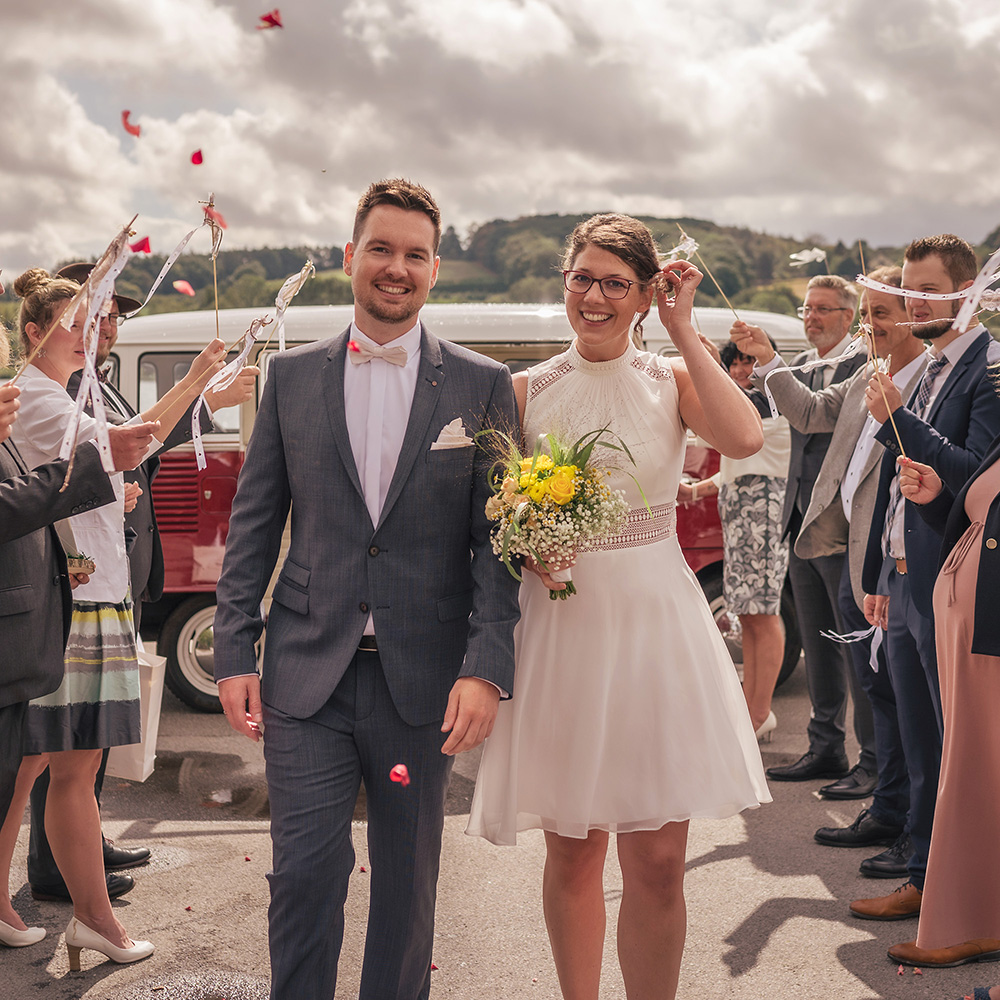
pixel 392 267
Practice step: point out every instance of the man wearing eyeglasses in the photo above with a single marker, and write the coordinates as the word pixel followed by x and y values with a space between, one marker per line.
pixel 827 314
pixel 145 556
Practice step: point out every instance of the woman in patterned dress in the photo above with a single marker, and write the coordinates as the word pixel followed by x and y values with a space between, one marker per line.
pixel 97 704
pixel 751 494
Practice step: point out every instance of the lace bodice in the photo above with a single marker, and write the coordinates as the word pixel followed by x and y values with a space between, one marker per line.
pixel 635 396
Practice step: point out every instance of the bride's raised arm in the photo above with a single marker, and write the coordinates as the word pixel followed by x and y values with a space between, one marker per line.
pixel 730 424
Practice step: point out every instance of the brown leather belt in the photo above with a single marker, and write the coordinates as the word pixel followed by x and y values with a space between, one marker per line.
pixel 369 644
pixel 901 567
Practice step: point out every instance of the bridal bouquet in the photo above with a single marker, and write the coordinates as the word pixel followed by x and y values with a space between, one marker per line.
pixel 549 506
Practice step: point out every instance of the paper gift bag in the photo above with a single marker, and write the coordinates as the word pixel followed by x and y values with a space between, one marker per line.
pixel 135 762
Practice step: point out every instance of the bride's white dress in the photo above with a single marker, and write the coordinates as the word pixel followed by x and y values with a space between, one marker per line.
pixel 627 712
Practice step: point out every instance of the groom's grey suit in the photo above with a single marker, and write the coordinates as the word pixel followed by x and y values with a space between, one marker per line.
pixel 334 715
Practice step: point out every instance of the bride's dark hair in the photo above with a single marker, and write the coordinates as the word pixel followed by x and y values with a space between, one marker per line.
pixel 625 237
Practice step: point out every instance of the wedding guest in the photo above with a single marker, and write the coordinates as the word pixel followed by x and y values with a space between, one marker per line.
pixel 838 519
pixel 390 638
pixel 97 703
pixel 751 494
pixel 960 907
pixel 145 561
pixel 949 422
pixel 628 716
pixel 35 598
pixel 827 314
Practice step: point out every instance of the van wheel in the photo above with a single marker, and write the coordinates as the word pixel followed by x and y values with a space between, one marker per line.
pixel 187 641
pixel 729 625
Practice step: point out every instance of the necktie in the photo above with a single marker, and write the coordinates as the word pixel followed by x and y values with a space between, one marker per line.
pixel 361 353
pixel 924 391
pixel 926 386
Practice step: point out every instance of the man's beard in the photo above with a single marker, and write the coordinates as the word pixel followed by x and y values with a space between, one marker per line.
pixel 935 328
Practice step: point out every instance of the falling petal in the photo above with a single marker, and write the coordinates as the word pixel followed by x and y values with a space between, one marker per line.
pixel 272 19
pixel 142 246
pixel 352 345
pixel 128 126
pixel 196 158
pixel 804 257
pixel 184 287
pixel 400 774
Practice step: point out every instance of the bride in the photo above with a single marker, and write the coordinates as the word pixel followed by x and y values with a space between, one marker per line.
pixel 627 715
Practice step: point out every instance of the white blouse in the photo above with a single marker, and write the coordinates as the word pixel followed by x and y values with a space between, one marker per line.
pixel 46 409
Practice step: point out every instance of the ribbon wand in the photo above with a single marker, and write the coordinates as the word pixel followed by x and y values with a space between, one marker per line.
pixel 867 330
pixel 215 222
pixel 688 245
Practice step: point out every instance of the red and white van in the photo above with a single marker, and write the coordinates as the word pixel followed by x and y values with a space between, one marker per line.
pixel 193 507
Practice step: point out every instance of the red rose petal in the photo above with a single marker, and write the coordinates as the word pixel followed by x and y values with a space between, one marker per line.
pixel 352 345
pixel 211 213
pixel 400 772
pixel 246 859
pixel 434 968
pixel 272 19
pixel 141 246
pixel 128 126
pixel 197 158
pixel 188 908
pixel 184 287
pixel 361 868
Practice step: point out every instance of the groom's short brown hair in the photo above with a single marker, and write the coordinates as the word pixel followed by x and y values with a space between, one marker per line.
pixel 403 194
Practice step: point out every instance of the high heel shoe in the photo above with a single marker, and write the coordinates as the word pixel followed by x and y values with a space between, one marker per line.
pixel 767 727
pixel 79 936
pixel 14 938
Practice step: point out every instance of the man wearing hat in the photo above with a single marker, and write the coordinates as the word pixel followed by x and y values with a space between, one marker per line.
pixel 145 556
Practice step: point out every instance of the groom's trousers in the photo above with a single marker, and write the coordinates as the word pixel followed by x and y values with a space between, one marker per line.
pixel 314 770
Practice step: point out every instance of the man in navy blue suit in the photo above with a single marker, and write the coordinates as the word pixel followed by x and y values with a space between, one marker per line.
pixel 949 423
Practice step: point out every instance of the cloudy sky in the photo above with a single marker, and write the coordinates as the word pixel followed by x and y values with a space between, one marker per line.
pixel 813 117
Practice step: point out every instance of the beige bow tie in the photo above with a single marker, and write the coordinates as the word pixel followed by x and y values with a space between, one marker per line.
pixel 361 353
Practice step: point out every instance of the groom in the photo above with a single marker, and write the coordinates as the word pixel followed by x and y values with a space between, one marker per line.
pixel 390 637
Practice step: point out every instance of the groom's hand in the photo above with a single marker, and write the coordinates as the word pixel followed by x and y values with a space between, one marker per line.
pixel 472 708
pixel 240 697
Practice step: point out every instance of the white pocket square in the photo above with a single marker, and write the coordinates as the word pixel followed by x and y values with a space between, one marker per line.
pixel 453 435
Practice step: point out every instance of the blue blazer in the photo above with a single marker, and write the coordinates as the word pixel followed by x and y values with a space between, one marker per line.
pixel 958 430
pixel 444 606
pixel 946 515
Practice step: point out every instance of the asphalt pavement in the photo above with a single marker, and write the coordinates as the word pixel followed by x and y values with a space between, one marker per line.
pixel 767 906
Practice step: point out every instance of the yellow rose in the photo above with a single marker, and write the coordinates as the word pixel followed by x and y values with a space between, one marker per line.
pixel 537 490
pixel 561 487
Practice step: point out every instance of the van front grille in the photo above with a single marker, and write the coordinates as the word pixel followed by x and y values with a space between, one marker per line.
pixel 175 494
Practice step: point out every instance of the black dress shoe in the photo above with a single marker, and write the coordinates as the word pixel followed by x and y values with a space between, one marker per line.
pixel 858 783
pixel 863 832
pixel 891 863
pixel 118 885
pixel 809 766
pixel 118 858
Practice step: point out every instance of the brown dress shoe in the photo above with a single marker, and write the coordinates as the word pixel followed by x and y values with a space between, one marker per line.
pixel 900 904
pixel 978 950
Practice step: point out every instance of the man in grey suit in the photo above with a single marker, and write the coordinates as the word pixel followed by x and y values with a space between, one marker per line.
pixel 827 313
pixel 35 601
pixel 839 515
pixel 386 643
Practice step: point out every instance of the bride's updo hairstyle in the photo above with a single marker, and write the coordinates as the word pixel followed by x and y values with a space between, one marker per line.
pixel 625 237
pixel 40 294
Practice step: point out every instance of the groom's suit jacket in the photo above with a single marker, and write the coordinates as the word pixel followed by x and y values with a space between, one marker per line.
pixel 840 410
pixel 439 611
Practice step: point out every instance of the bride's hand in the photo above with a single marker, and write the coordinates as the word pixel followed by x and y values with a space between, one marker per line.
pixel 544 576
pixel 681 278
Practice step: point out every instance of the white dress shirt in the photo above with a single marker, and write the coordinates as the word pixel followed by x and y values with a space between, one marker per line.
pixel 866 440
pixel 45 413
pixel 378 396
